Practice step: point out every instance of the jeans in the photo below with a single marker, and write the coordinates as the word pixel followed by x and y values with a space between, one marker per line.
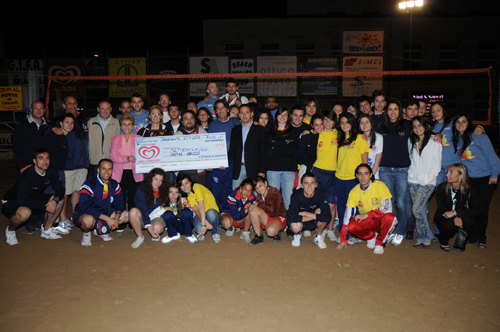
pixel 283 181
pixel 420 196
pixel 243 176
pixel 396 180
pixel 213 217
pixel 410 218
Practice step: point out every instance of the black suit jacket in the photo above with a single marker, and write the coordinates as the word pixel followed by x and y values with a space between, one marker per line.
pixel 255 149
pixel 445 203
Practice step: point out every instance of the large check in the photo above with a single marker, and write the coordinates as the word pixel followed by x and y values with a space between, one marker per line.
pixel 181 152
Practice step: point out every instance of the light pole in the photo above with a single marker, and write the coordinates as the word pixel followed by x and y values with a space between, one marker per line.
pixel 410 6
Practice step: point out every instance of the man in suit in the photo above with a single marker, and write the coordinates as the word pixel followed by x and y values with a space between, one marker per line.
pixel 247 148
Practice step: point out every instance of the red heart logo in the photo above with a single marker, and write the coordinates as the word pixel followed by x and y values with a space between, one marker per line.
pixel 149 152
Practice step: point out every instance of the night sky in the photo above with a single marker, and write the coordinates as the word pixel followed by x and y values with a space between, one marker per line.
pixel 46 30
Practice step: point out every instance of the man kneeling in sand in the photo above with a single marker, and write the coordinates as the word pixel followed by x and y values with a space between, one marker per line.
pixel 101 206
pixel 308 210
pixel 375 221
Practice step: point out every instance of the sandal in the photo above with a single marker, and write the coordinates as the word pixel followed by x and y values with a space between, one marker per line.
pixel 482 245
pixel 418 245
pixel 445 248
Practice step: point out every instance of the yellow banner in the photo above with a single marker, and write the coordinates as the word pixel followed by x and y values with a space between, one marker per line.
pixel 11 98
pixel 127 67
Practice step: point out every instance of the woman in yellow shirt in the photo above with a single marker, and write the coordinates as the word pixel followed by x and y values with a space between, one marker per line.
pixel 353 150
pixel 202 202
pixel 324 164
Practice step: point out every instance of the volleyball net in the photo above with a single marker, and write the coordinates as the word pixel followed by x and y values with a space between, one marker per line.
pixel 484 74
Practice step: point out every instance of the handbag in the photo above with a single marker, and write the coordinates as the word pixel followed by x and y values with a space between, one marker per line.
pixel 461 240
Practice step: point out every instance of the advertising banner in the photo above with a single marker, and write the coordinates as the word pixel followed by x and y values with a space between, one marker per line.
pixel 355 86
pixel 277 86
pixel 363 42
pixel 125 88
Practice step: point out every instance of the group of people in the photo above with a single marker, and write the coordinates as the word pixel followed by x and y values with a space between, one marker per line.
pixel 365 171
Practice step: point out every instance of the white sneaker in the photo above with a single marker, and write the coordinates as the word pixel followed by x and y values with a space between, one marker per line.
pixel 306 233
pixel 86 240
pixel 68 224
pixel 331 235
pixel 371 243
pixel 49 234
pixel 318 239
pixel 397 240
pixel 192 239
pixel 156 239
pixel 296 240
pixel 10 237
pixel 216 238
pixel 379 250
pixel 230 232
pixel 353 240
pixel 391 237
pixel 168 239
pixel 104 237
pixel 245 236
pixel 60 228
pixel 137 243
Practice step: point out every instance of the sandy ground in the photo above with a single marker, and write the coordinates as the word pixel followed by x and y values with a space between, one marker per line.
pixel 60 286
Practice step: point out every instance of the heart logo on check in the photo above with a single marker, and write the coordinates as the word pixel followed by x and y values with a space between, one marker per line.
pixel 149 152
pixel 220 146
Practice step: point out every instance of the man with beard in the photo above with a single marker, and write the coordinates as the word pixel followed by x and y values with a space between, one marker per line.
pixel 189 127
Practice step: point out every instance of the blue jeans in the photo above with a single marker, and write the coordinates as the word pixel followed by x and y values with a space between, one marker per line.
pixel 396 179
pixel 410 218
pixel 243 176
pixel 213 217
pixel 283 181
pixel 420 196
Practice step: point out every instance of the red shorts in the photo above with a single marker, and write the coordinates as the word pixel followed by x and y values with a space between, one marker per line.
pixel 235 222
pixel 281 219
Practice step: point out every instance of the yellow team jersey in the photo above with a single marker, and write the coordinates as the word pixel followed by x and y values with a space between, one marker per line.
pixel 306 121
pixel 201 193
pixel 326 156
pixel 350 158
pixel 369 199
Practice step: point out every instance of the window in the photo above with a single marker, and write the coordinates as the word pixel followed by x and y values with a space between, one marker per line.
pixel 413 56
pixel 234 49
pixel 336 48
pixel 486 54
pixel 481 105
pixel 449 55
pixel 304 48
pixel 269 49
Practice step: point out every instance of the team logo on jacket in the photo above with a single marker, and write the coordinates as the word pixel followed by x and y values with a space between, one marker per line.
pixel 360 204
pixel 375 201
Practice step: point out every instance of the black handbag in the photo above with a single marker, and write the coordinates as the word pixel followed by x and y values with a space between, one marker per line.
pixel 461 240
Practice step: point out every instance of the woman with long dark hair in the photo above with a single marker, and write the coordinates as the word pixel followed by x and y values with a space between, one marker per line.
pixel 425 157
pixel 477 154
pixel 281 159
pixel 375 142
pixel 395 162
pixel 352 151
pixel 264 118
pixel 151 195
